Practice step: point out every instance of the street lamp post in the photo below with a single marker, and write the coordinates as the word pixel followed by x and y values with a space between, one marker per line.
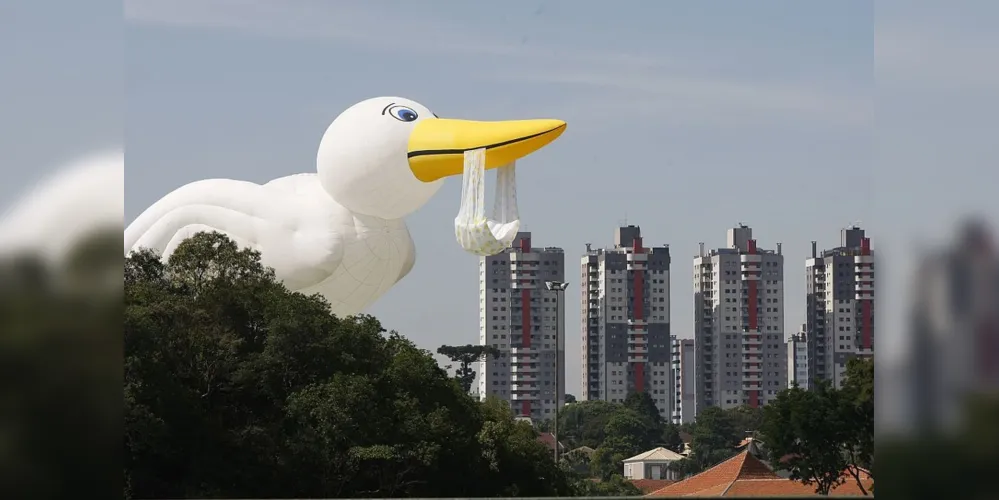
pixel 558 287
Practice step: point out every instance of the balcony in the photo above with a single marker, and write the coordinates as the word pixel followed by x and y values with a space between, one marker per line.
pixel 637 358
pixel 523 369
pixel 637 257
pixel 523 351
pixel 523 388
pixel 640 340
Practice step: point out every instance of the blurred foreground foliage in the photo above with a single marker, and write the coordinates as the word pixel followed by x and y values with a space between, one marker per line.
pixel 60 359
pixel 935 464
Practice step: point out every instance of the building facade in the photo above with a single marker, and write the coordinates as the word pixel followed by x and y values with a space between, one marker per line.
pixel 520 317
pixel 739 323
pixel 839 302
pixel 684 378
pixel 625 321
pixel 797 360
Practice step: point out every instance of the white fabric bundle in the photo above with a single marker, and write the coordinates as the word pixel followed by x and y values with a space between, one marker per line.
pixel 474 232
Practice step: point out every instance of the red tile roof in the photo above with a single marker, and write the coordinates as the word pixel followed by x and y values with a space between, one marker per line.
pixel 745 476
pixel 547 439
pixel 650 485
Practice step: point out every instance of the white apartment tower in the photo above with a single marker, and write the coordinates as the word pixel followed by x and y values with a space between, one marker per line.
pixel 684 378
pixel 519 316
pixel 839 314
pixel 739 323
pixel 625 321
pixel 797 360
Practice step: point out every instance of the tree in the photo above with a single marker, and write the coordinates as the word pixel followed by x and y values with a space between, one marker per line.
pixel 671 439
pixel 858 408
pixel 569 398
pixel 236 387
pixel 805 431
pixel 584 423
pixel 627 433
pixel 465 355
pixel 714 437
pixel 745 419
pixel 615 486
pixel 643 404
pixel 518 463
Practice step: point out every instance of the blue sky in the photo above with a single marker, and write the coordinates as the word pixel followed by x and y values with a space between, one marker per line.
pixel 60 86
pixel 684 117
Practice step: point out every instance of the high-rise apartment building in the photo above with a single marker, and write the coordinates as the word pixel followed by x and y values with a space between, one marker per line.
pixel 739 323
pixel 839 305
pixel 797 360
pixel 625 320
pixel 519 316
pixel 684 378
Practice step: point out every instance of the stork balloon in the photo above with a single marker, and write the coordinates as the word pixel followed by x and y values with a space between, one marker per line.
pixel 340 231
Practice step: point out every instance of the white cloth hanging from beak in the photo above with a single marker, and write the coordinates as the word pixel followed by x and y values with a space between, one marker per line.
pixel 474 231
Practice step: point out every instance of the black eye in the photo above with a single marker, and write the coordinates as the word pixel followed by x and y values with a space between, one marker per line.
pixel 403 114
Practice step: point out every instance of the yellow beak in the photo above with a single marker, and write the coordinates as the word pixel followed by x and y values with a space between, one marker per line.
pixel 437 146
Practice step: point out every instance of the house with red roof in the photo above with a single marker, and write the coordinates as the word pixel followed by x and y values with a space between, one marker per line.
pixel 746 476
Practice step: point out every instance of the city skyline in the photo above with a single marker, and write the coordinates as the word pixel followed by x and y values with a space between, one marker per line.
pixel 629 347
pixel 699 107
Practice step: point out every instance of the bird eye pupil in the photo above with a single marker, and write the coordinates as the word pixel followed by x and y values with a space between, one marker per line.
pixel 404 114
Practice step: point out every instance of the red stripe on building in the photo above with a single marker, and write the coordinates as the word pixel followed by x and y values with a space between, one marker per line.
pixel 754 395
pixel 525 317
pixel 638 305
pixel 525 408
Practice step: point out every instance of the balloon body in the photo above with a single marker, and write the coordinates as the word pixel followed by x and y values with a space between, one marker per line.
pixel 313 244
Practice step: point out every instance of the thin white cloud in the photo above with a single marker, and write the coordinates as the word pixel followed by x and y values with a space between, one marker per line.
pixel 358 23
pixel 640 82
pixel 654 92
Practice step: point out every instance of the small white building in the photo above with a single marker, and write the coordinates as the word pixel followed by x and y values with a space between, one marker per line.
pixel 653 464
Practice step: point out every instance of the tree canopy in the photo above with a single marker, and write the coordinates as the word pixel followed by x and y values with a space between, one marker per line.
pixel 465 355
pixel 236 387
pixel 820 434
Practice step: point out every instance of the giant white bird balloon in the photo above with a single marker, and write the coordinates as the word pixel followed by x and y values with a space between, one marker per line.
pixel 340 232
